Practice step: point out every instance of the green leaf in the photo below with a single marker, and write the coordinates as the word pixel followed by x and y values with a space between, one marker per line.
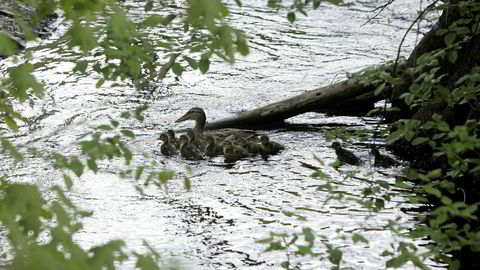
pixel 81 66
pixel 379 204
pixel 139 172
pixel 191 62
pixel 152 21
pixel 148 6
pixel 452 56
pixel 291 17
pixel 92 165
pixel 379 89
pixel 104 127
pixel 177 69
pixel 335 2
pixel 127 154
pixel 82 36
pixel 454 265
pixel 139 111
pixel 68 181
pixel 204 64
pixel 449 38
pixel 100 83
pixel 187 183
pixel 125 115
pixel 446 200
pixel 386 253
pixel 309 236
pixel 398 261
pixel 8 46
pixel 359 238
pixel 76 166
pixel 23 80
pixel 11 123
pixel 316 4
pixel 239 3
pixel 164 176
pixel 420 140
pixel 7 146
pixel 128 133
pixel 335 255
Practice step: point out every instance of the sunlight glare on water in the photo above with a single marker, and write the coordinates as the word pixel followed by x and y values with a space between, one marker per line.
pixel 215 226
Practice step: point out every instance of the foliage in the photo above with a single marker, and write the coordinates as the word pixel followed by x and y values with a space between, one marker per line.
pixel 41 231
pixel 442 96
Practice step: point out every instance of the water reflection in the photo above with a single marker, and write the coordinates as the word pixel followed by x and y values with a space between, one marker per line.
pixel 215 226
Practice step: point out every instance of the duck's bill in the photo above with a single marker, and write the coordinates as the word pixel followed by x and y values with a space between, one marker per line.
pixel 183 118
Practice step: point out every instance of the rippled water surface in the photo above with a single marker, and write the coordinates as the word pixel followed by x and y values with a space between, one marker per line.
pixel 215 226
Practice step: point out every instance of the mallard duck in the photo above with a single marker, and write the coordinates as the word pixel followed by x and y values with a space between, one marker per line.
pixel 233 152
pixel 171 137
pixel 344 155
pixel 198 115
pixel 383 160
pixel 167 148
pixel 188 150
pixel 269 147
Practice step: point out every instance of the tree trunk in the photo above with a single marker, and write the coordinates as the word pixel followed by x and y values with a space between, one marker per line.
pixel 332 98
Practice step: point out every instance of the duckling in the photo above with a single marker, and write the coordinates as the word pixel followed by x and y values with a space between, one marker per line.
pixel 167 148
pixel 345 156
pixel 212 149
pixel 269 147
pixel 233 152
pixel 383 160
pixel 196 139
pixel 188 150
pixel 252 145
pixel 171 137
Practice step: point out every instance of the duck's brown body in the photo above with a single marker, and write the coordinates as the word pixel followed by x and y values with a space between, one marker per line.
pixel 233 143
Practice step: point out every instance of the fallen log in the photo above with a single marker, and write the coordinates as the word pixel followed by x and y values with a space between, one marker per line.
pixel 332 98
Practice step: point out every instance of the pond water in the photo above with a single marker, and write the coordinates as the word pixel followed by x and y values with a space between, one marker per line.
pixel 216 224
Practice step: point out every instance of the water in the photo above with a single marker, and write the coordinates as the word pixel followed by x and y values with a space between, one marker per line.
pixel 216 224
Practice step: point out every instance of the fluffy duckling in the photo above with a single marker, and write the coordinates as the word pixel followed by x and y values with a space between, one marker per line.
pixel 252 145
pixel 188 150
pixel 383 160
pixel 344 155
pixel 233 152
pixel 269 147
pixel 212 148
pixel 167 148
pixel 196 139
pixel 171 137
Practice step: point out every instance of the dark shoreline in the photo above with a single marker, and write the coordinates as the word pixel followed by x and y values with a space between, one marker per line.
pixel 9 27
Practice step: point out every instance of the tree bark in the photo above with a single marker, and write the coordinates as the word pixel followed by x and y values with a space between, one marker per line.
pixel 332 98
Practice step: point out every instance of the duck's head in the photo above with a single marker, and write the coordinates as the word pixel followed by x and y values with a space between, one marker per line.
pixel 183 139
pixel 171 133
pixel 227 147
pixel 264 139
pixel 195 114
pixel 210 140
pixel 336 145
pixel 163 137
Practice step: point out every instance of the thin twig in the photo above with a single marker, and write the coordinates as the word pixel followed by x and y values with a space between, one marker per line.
pixel 408 30
pixel 380 10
